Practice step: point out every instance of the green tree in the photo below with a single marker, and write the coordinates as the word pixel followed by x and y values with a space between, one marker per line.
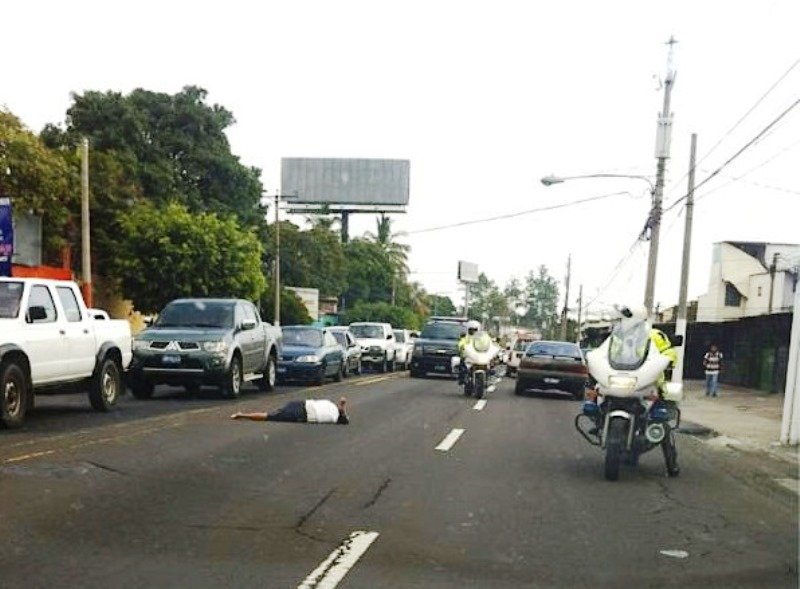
pixel 172 253
pixel 541 300
pixel 368 271
pixel 442 306
pixel 399 317
pixel 293 311
pixel 396 252
pixel 486 300
pixel 173 145
pixel 38 179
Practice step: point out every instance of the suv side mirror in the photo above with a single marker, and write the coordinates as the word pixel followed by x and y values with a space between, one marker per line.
pixel 248 324
pixel 677 341
pixel 390 336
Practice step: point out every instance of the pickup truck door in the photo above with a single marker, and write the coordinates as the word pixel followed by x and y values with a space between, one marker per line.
pixel 79 334
pixel 250 340
pixel 45 338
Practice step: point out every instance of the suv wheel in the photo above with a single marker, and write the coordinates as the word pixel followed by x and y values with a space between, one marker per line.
pixel 267 382
pixel 232 386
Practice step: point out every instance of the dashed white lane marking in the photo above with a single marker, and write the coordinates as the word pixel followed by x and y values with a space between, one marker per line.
pixel 792 484
pixel 480 405
pixel 335 567
pixel 450 440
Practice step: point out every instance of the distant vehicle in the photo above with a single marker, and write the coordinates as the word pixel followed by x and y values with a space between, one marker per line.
pixel 310 354
pixel 353 351
pixel 404 347
pixel 436 347
pixel 196 342
pixel 549 365
pixel 377 344
pixel 516 350
pixel 50 343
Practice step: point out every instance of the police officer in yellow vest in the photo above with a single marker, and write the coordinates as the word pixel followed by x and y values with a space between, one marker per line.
pixel 472 328
pixel 664 346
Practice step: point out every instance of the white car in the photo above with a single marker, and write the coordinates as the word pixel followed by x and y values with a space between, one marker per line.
pixel 515 353
pixel 404 347
pixel 49 339
pixel 377 344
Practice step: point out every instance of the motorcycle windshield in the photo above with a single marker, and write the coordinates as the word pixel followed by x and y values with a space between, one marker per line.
pixel 481 342
pixel 628 347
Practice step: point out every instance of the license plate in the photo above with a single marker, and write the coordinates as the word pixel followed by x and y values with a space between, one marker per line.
pixel 171 360
pixel 439 368
pixel 552 380
pixel 281 369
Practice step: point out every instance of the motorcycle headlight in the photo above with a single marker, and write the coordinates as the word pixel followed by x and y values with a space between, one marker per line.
pixel 618 381
pixel 311 359
pixel 215 347
pixel 139 344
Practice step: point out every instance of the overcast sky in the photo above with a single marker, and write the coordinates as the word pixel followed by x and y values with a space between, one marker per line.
pixel 484 98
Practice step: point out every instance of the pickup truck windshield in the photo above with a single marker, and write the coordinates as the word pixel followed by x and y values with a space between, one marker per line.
pixel 197 314
pixel 10 297
pixel 367 331
pixel 442 331
pixel 310 338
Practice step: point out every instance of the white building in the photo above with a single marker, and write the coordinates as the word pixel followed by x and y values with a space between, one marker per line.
pixel 742 281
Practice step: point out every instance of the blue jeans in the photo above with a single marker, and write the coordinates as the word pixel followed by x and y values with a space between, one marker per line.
pixel 712 384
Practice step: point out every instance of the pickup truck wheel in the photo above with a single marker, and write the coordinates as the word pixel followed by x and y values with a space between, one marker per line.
pixel 142 389
pixel 13 395
pixel 106 386
pixel 232 386
pixel 267 382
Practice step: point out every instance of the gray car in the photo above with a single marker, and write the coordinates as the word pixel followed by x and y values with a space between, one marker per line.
pixel 352 350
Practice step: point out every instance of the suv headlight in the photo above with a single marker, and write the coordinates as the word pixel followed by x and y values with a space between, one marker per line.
pixel 139 344
pixel 215 347
pixel 311 359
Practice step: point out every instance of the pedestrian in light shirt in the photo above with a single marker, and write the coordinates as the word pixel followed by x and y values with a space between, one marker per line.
pixel 309 411
pixel 712 362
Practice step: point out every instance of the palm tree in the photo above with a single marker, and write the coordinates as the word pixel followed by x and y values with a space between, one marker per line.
pixel 397 252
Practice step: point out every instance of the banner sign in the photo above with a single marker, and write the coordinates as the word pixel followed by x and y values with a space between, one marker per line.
pixel 6 237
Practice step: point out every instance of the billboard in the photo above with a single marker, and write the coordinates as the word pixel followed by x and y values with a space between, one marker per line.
pixel 344 182
pixel 467 272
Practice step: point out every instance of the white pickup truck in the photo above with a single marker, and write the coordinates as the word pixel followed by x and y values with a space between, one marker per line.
pixel 51 343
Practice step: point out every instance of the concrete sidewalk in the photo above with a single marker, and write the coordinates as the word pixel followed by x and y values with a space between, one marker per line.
pixel 743 418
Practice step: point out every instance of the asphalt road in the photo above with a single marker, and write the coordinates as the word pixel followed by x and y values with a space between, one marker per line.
pixel 171 493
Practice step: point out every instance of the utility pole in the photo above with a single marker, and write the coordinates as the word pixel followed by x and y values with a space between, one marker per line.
pixel 580 312
pixel 790 423
pixel 277 270
pixel 663 135
pixel 772 269
pixel 680 327
pixel 86 251
pixel 566 301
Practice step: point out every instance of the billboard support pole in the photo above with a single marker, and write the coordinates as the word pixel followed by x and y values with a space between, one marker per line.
pixel 345 226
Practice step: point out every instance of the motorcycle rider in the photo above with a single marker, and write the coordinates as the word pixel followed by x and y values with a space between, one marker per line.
pixel 473 327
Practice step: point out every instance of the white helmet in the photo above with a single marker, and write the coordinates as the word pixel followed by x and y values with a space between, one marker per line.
pixel 472 324
pixel 634 312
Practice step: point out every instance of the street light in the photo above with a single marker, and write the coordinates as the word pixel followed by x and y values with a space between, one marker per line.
pixel 653 220
pixel 550 180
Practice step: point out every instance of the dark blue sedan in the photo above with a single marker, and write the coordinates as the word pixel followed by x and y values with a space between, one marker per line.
pixel 310 354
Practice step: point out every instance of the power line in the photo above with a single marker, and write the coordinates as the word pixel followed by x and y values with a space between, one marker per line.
pixel 737 154
pixel 517 214
pixel 741 119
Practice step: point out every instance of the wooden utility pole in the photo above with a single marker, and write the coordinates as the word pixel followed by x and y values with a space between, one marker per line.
pixel 580 313
pixel 86 246
pixel 566 301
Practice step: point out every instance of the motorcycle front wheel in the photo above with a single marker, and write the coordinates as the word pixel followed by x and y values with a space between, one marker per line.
pixel 670 454
pixel 614 447
pixel 480 384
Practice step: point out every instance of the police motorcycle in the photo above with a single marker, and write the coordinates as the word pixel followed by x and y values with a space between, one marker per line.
pixel 479 369
pixel 626 415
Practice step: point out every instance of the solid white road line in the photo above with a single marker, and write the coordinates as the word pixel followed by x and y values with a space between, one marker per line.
pixel 335 567
pixel 450 440
pixel 480 405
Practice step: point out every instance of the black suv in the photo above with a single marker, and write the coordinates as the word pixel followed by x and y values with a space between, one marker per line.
pixel 436 346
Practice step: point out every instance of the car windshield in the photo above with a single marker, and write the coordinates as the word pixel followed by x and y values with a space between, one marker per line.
pixel 367 331
pixel 554 349
pixel 298 336
pixel 215 314
pixel 340 337
pixel 442 331
pixel 400 337
pixel 10 297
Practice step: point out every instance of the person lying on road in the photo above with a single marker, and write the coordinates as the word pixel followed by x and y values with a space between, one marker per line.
pixel 309 411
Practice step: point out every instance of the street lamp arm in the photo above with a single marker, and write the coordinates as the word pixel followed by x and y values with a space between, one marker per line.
pixel 550 180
